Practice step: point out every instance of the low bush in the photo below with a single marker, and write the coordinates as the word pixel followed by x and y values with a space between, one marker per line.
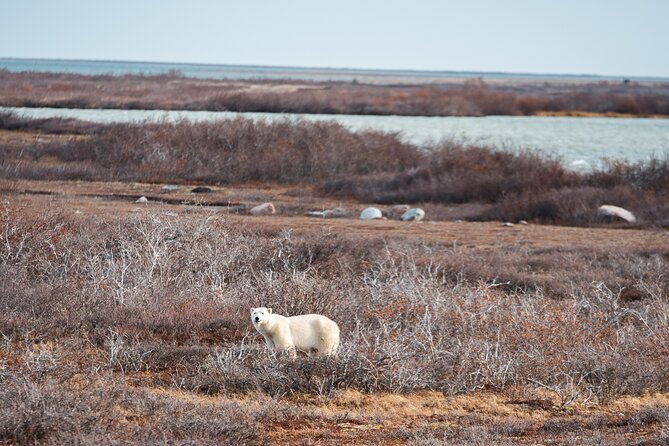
pixel 368 166
pixel 449 97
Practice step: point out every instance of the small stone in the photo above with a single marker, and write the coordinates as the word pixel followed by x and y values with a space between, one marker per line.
pixel 415 214
pixel 263 209
pixel 335 213
pixel 169 188
pixel 142 199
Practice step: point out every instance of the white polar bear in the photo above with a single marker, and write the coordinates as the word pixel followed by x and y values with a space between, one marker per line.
pixel 304 333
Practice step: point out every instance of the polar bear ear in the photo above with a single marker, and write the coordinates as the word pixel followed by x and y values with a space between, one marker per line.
pixel 269 310
pixel 252 310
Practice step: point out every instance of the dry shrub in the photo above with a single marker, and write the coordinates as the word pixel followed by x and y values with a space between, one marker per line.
pixel 472 97
pixel 49 412
pixel 227 151
pixel 167 300
pixel 369 166
pixel 452 173
pixel 642 176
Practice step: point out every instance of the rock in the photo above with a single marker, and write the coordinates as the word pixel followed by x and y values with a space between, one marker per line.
pixel 335 213
pixel 507 224
pixel 615 211
pixel 201 190
pixel 371 213
pixel 169 188
pixel 263 209
pixel 522 222
pixel 415 214
pixel 142 199
pixel 328 213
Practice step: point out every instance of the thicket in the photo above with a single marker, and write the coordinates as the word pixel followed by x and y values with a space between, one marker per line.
pixel 91 304
pixel 370 166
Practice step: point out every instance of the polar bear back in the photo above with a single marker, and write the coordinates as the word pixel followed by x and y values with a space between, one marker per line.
pixel 314 332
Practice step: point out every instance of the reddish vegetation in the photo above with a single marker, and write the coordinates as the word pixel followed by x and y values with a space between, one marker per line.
pixel 123 319
pixel 471 97
pixel 123 322
pixel 367 166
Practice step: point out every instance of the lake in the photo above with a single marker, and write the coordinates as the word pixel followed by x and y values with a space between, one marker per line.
pixel 581 143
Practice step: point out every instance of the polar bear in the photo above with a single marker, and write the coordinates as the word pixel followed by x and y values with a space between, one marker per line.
pixel 304 333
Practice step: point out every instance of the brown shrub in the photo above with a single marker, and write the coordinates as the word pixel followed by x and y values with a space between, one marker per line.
pixel 167 300
pixel 472 97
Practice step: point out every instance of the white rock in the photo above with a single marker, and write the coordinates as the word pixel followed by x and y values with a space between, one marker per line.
pixel 328 213
pixel 507 225
pixel 522 222
pixel 371 213
pixel 615 211
pixel 263 209
pixel 142 199
pixel 415 214
pixel 335 213
pixel 170 188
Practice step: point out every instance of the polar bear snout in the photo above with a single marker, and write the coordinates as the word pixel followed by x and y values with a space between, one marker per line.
pixel 260 315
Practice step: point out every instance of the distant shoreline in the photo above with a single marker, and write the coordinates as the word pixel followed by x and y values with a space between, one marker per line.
pixel 582 114
pixel 249 72
pixel 452 97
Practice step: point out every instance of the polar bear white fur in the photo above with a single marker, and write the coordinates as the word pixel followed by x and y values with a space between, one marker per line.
pixel 304 333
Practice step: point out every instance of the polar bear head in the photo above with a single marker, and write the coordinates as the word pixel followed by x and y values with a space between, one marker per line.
pixel 260 315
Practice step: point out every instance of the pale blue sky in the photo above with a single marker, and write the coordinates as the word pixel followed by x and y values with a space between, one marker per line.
pixel 535 36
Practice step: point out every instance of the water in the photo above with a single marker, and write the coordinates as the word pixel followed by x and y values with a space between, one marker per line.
pixel 211 71
pixel 581 143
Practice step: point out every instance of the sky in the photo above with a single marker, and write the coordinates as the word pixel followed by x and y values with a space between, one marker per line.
pixel 612 38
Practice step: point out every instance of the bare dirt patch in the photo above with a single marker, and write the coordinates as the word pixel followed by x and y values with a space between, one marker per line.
pixel 233 203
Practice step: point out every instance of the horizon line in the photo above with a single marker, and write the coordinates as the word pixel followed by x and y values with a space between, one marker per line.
pixel 344 69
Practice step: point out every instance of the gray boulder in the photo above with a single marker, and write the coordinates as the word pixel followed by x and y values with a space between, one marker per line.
pixel 371 213
pixel 415 214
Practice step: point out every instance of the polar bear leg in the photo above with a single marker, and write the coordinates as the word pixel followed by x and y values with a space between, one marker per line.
pixel 269 342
